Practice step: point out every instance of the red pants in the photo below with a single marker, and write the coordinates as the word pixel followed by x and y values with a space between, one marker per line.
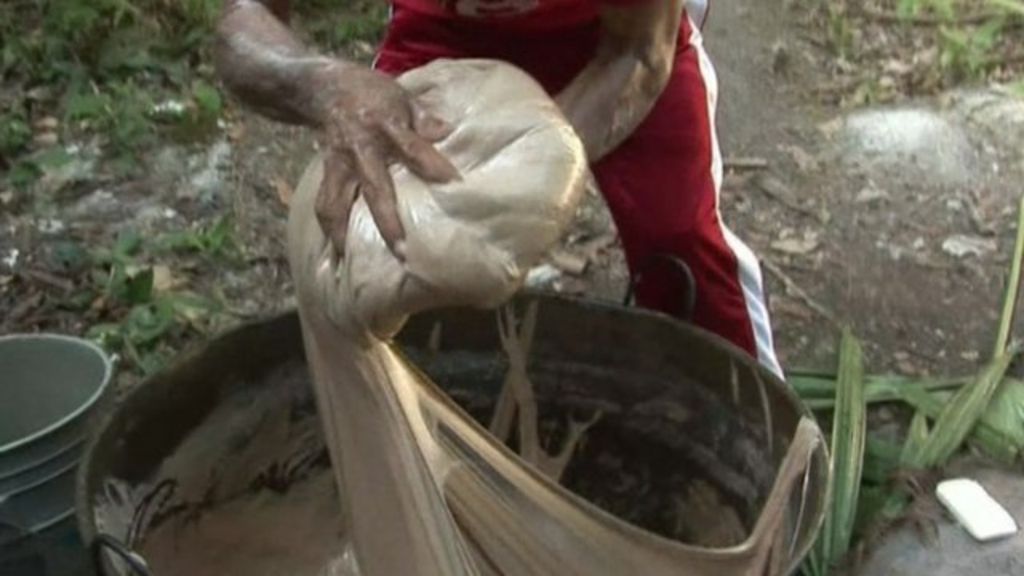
pixel 661 184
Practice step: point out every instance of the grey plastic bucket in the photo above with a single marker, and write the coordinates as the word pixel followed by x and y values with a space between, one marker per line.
pixel 49 386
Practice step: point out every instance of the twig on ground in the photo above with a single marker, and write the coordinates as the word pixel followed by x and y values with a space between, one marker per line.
pixel 840 86
pixel 977 220
pixel 51 280
pixel 794 290
pixel 780 192
pixel 891 17
pixel 746 163
pixel 1003 60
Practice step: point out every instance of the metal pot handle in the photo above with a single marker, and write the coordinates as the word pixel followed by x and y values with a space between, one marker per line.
pixel 106 542
pixel 690 302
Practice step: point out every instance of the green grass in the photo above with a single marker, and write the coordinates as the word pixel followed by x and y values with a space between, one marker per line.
pixel 100 67
pixel 134 317
pixel 359 21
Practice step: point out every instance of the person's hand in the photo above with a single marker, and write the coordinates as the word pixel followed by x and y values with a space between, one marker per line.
pixel 370 122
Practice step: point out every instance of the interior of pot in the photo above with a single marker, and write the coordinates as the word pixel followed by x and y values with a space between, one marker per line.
pixel 217 466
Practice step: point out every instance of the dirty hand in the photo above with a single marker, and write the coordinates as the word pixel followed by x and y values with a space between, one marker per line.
pixel 369 122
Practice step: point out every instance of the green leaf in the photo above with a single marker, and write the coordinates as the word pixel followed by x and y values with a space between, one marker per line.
pixel 192 308
pixel 849 437
pixel 873 502
pixel 1012 291
pixel 15 132
pixel 151 363
pixel 71 256
pixel 108 336
pixel 79 300
pixel 129 242
pixel 1006 413
pixel 961 413
pixel 991 441
pixel 944 8
pixel 916 438
pixel 79 106
pixel 52 158
pixel 881 460
pixel 207 98
pixel 147 323
pixel 1012 6
pixel 215 240
pixel 907 8
pixel 848 443
pixel 23 174
pixel 819 389
pixel 139 288
pixel 219 237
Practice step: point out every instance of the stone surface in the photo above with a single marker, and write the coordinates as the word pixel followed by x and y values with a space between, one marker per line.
pixel 914 145
pixel 997 116
pixel 955 553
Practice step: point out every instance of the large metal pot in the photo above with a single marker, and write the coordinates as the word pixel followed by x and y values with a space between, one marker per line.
pixel 662 385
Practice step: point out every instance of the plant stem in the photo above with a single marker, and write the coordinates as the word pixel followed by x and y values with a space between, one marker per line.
pixel 1012 288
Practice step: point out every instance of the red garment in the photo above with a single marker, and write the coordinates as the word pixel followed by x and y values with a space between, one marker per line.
pixel 661 184
pixel 517 14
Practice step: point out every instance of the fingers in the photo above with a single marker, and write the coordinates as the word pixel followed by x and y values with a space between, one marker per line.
pixel 429 126
pixel 335 199
pixel 379 193
pixel 361 147
pixel 420 155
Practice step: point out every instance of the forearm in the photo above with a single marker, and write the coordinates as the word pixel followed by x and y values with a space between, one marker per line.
pixel 615 92
pixel 267 67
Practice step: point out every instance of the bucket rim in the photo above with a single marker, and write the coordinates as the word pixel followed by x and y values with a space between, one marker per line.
pixel 68 467
pixel 72 447
pixel 84 407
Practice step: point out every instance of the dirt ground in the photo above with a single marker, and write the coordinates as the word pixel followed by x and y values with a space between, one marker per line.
pixel 926 312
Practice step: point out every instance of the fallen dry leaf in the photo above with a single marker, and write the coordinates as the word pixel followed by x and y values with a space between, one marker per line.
pixel 45 139
pixel 960 245
pixel 870 194
pixel 236 131
pixel 46 124
pixel 163 278
pixel 283 189
pixel 831 128
pixel 804 161
pixel 799 245
pixel 785 306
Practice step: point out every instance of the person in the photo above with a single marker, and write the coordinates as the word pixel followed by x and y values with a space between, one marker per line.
pixel 631 76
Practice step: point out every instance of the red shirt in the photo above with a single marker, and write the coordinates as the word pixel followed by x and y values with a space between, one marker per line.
pixel 551 39
pixel 518 14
